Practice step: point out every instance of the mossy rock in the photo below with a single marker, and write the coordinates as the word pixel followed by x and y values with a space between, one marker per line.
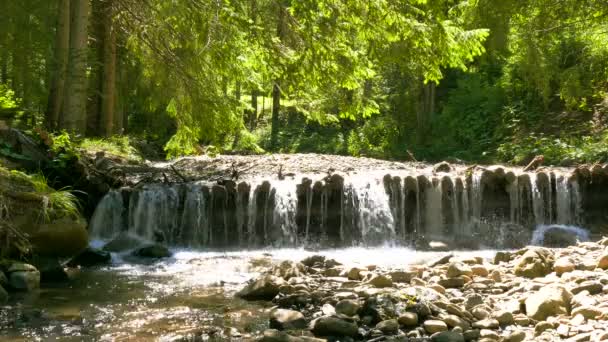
pixel 62 238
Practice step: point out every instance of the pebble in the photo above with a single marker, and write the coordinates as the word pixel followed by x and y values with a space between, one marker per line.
pixel 433 326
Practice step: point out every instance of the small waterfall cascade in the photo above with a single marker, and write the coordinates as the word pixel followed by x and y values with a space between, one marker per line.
pixel 480 206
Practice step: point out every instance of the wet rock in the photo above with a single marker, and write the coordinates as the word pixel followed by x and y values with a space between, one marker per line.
pixel 328 309
pixel 23 277
pixel 456 269
pixel 549 301
pixel 380 281
pixel 442 167
pixel 51 270
pixel 91 257
pixel 156 251
pixel 408 319
pixel 265 287
pixel 434 326
pixel 447 336
pixel 388 327
pixel 515 336
pixel 283 319
pixel 441 261
pixel 333 326
pixel 273 335
pixel 559 237
pixel 347 307
pixel 438 246
pixel 535 262
pixel 563 265
pixel 61 238
pixel 122 242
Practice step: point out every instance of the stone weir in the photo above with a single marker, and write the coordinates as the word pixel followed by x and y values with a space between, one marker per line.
pixel 475 207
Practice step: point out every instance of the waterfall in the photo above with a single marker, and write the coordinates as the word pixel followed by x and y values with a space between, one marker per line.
pixel 342 210
pixel 375 217
pixel 434 210
pixel 285 210
pixel 108 219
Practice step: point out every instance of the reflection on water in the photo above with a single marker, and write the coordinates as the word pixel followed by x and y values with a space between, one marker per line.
pixel 190 294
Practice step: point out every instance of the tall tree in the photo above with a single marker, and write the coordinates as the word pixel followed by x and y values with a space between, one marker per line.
pixel 74 117
pixel 108 89
pixel 59 65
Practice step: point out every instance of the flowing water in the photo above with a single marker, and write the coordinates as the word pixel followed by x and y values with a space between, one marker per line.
pixel 224 234
pixel 189 294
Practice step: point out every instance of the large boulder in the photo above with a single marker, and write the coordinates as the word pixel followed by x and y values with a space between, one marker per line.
pixel 23 277
pixel 155 251
pixel 61 238
pixel 91 257
pixel 548 301
pixel 265 287
pixel 123 242
pixel 333 326
pixel 51 270
pixel 535 262
pixel 442 167
pixel 558 236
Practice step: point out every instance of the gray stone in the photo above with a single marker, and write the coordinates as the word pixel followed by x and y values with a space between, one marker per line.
pixel 402 276
pixel 91 257
pixel 388 327
pixel 348 307
pixel 502 257
pixel 471 335
pixel 447 336
pixel 333 326
pixel 23 277
pixel 408 319
pixel 265 287
pixel 473 300
pixel 156 251
pixel 433 326
pixel 283 319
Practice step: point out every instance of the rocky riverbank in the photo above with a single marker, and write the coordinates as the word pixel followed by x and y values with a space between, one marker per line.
pixel 533 294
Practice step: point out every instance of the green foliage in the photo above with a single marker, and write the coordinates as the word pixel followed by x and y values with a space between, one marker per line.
pixel 117 145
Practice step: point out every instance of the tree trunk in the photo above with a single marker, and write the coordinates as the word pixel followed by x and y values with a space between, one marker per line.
pixel 237 134
pixel 108 90
pixel 253 115
pixel 4 66
pixel 74 118
pixel 276 89
pixel 62 44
